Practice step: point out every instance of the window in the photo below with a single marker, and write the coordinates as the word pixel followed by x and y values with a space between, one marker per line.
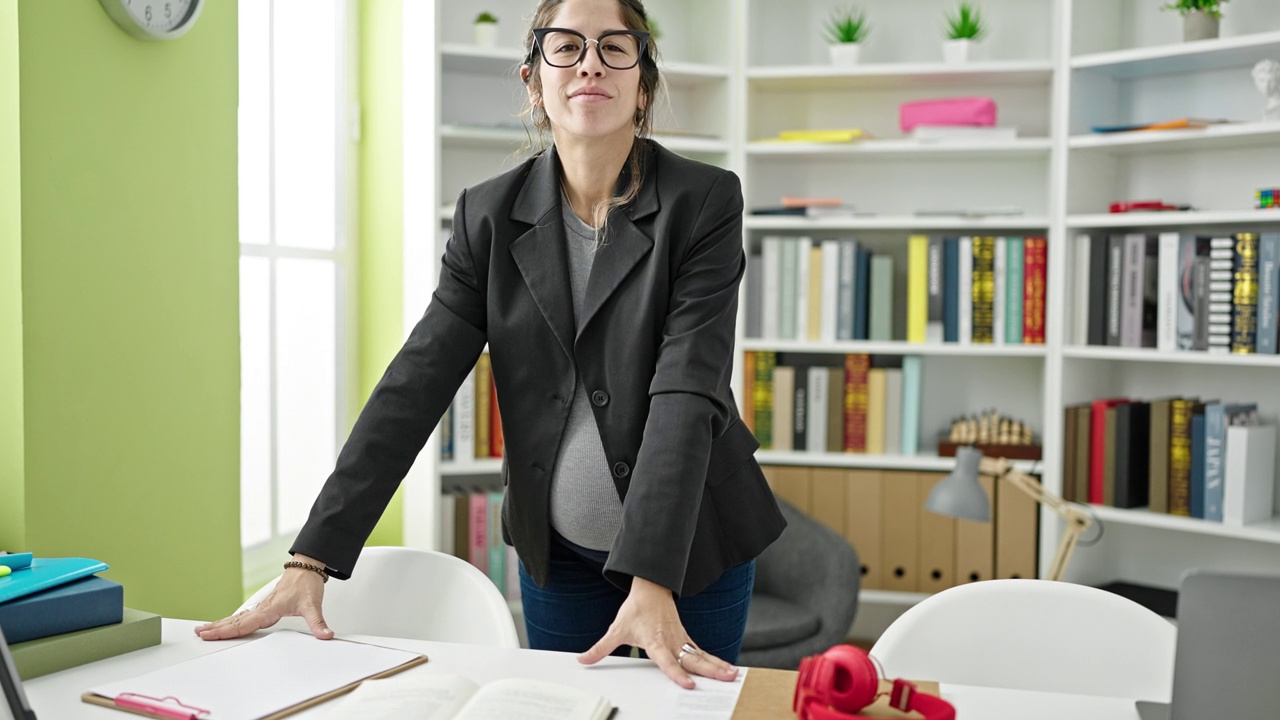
pixel 296 188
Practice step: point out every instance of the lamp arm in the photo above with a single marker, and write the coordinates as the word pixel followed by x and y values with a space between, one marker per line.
pixel 1076 520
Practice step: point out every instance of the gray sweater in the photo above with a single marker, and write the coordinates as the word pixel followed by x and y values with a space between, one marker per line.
pixel 585 508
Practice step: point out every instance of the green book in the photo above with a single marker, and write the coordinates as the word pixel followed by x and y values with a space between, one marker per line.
pixel 881 298
pixel 59 652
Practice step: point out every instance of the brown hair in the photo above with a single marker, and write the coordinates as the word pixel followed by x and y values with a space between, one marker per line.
pixel 633 18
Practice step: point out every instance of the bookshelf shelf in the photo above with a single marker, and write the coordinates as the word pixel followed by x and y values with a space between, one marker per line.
pixel 1264 532
pixel 1175 219
pixel 1151 355
pixel 881 75
pixel 687 144
pixel 922 463
pixel 484 466
pixel 458 57
pixel 688 73
pixel 1029 147
pixel 908 223
pixel 482 137
pixel 1214 137
pixel 895 348
pixel 1184 57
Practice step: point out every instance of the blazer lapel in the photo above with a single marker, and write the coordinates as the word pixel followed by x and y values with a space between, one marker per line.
pixel 626 244
pixel 541 253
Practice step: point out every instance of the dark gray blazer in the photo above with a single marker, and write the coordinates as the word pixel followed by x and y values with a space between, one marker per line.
pixel 655 352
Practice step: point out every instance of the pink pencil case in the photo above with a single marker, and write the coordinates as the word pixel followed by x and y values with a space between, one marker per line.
pixel 947 111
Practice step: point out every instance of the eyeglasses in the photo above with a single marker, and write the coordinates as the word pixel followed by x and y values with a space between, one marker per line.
pixel 563 48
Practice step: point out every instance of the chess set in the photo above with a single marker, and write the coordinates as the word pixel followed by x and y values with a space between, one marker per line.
pixel 995 435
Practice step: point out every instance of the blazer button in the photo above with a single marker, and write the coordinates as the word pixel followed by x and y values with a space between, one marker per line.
pixel 621 470
pixel 599 398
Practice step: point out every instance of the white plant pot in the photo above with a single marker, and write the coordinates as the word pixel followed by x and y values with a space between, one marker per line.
pixel 956 51
pixel 486 34
pixel 1199 26
pixel 845 53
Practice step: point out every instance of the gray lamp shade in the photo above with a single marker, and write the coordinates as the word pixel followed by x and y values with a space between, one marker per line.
pixel 960 494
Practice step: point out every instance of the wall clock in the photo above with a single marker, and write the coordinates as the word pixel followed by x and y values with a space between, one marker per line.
pixel 154 19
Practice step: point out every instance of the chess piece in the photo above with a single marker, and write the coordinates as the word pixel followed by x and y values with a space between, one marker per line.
pixel 1266 75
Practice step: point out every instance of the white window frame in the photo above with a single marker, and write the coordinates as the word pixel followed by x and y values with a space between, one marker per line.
pixel 262 561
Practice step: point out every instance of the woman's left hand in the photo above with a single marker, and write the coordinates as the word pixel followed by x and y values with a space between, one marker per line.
pixel 648 620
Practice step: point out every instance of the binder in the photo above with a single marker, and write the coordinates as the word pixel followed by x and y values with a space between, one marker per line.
pixel 902 508
pixel 975 542
pixel 863 522
pixel 45 573
pixel 272 677
pixel 795 486
pixel 827 494
pixel 937 541
pixel 1017 529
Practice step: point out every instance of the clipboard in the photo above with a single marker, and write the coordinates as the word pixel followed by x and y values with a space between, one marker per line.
pixel 274 676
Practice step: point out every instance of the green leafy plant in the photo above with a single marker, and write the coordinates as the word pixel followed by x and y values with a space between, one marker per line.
pixel 1208 7
pixel 485 17
pixel 847 26
pixel 966 24
pixel 654 31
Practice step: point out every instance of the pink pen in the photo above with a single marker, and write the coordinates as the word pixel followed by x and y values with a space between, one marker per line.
pixel 158 707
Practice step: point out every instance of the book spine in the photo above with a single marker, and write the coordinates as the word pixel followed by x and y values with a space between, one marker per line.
pixel 817 411
pixel 934 323
pixel 835 409
pixel 497 441
pixel 984 289
pixel 830 305
pixel 787 289
pixel 917 287
pixel 479 525
pixel 1167 300
pixel 881 309
pixel 755 295
pixel 748 409
pixel 814 295
pixel 1115 297
pixel 1200 298
pixel 1244 297
pixel 876 390
pixel 999 298
pixel 800 408
pixel 1219 308
pixel 784 397
pixel 801 286
pixel 770 297
pixel 762 392
pixel 966 290
pixel 856 366
pixel 912 379
pixel 845 295
pixel 484 421
pixel 861 294
pixel 893 411
pixel 1099 284
pixel 951 289
pixel 1082 279
pixel 1180 458
pixel 1268 292
pixel 1197 463
pixel 497 567
pixel 1215 441
pixel 1016 291
pixel 1035 271
pixel 464 420
pixel 1131 285
pixel 446 434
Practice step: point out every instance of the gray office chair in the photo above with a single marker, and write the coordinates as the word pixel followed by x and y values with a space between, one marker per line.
pixel 806 594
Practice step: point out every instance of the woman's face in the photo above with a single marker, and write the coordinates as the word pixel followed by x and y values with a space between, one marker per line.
pixel 590 99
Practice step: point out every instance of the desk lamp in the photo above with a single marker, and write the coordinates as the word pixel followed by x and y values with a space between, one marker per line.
pixel 960 495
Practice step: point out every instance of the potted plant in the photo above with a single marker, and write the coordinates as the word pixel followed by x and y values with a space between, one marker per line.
pixel 963 29
pixel 486 25
pixel 846 29
pixel 1199 18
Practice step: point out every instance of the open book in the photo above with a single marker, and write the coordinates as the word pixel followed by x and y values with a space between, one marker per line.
pixel 454 697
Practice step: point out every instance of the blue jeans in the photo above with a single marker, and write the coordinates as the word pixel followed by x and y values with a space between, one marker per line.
pixel 578 604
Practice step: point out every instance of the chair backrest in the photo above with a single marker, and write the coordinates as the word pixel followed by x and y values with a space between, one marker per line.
pixel 419 594
pixel 1033 635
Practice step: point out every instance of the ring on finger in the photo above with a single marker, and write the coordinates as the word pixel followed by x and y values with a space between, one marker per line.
pixel 686 649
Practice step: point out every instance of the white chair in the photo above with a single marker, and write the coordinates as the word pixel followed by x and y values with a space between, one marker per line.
pixel 419 594
pixel 1033 635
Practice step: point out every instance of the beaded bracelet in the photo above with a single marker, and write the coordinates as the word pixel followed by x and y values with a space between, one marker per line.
pixel 307 566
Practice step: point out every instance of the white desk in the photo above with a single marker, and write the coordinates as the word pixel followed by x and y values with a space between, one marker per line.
pixel 637 687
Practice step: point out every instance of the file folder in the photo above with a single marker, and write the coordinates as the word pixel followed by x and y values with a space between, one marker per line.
pixel 45 573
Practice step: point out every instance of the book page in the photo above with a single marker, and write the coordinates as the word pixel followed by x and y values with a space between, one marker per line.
pixel 709 700
pixel 422 697
pixel 533 700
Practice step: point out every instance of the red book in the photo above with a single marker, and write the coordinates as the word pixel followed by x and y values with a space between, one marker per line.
pixel 856 367
pixel 1097 444
pixel 1034 269
pixel 495 420
pixel 479 550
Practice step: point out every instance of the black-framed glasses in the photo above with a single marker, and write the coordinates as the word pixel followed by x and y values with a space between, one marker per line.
pixel 563 48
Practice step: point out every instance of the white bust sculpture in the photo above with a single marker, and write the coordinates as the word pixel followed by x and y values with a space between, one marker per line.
pixel 1266 75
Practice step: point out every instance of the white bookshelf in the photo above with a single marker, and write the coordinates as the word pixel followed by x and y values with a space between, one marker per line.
pixel 1056 68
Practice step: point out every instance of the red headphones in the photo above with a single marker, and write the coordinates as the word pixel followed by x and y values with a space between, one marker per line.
pixel 842 681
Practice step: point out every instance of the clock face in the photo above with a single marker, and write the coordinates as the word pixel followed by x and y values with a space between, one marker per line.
pixel 154 19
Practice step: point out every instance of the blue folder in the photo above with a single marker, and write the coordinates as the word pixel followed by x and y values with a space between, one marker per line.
pixel 45 573
pixel 78 605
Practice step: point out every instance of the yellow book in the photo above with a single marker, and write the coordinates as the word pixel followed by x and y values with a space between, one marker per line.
pixel 917 287
pixel 876 392
pixel 814 324
pixel 827 136
pixel 483 414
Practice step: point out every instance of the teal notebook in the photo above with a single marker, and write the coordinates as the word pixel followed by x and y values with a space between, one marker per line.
pixel 45 573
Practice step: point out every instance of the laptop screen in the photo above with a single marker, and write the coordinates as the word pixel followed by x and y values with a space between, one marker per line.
pixel 15 705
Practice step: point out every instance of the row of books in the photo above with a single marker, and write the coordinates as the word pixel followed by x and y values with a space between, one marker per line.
pixel 472 427
pixel 1179 291
pixel 833 403
pixel 970 289
pixel 473 520
pixel 1182 456
pixel 903 547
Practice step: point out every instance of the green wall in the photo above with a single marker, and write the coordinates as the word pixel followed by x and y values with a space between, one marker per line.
pixel 381 213
pixel 129 302
pixel 12 526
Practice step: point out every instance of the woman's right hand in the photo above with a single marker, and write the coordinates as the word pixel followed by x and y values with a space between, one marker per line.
pixel 298 593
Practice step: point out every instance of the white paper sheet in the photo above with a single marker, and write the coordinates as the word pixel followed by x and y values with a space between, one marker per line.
pixel 264 676
pixel 710 700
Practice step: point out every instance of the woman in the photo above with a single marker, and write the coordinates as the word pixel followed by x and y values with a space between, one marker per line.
pixel 603 274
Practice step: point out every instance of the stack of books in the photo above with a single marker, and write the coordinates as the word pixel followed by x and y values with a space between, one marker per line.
pixel 57 613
